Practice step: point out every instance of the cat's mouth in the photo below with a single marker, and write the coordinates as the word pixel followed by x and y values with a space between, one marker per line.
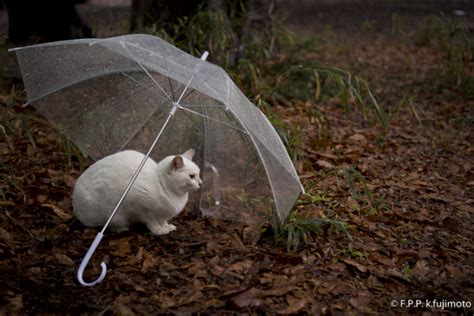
pixel 194 187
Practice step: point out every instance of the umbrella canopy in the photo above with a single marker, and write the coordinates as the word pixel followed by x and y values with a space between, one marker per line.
pixel 113 94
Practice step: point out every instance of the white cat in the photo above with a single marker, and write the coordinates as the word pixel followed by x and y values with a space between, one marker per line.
pixel 159 193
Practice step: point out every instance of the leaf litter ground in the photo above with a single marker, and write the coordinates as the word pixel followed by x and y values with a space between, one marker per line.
pixel 412 235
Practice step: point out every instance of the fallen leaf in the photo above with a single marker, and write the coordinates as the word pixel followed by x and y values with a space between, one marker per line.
pixel 237 243
pixel 30 150
pixel 64 260
pixel 241 266
pixel 250 298
pixel 196 296
pixel 299 166
pixel 120 305
pixel 59 211
pixel 212 246
pixel 361 300
pixel 149 262
pixel 120 247
pixel 421 269
pixel 133 260
pixel 41 198
pixel 69 180
pixel 358 138
pixel 455 272
pixel 295 307
pixel 396 274
pixel 464 207
pixel 278 291
pixel 325 164
pixel 15 304
pixel 383 260
pixel 355 264
pixel 5 235
pixel 252 235
pixel 255 297
pixel 7 203
pixel 326 288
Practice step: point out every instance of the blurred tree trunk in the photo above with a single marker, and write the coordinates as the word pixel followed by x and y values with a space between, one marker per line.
pixel 44 21
pixel 146 13
pixel 256 15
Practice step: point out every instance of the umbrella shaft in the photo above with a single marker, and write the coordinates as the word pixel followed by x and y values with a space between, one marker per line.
pixel 139 169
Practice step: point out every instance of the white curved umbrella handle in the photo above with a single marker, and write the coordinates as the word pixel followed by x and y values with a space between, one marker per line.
pixel 85 262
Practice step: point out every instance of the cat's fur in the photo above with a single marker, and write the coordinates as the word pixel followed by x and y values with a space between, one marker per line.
pixel 159 193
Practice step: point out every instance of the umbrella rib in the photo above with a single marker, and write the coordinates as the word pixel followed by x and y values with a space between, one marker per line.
pixel 146 71
pixel 144 85
pixel 151 115
pixel 154 53
pixel 171 88
pixel 182 96
pixel 212 119
pixel 140 127
pixel 196 68
pixel 204 106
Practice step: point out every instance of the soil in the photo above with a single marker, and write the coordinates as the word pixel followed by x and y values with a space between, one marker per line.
pixel 410 213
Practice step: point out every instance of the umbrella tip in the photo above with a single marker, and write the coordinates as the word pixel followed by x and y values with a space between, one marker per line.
pixel 204 55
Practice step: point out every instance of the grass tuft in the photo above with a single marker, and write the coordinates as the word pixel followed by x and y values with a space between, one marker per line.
pixel 299 230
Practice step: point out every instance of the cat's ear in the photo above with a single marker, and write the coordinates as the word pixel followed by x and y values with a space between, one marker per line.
pixel 189 154
pixel 177 162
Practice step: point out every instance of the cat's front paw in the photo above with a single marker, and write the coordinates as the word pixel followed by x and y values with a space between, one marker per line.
pixel 171 227
pixel 162 229
pixel 159 230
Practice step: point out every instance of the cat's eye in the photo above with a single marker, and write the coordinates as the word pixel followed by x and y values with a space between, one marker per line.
pixel 192 176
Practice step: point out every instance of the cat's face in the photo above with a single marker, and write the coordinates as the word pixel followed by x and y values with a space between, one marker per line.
pixel 185 173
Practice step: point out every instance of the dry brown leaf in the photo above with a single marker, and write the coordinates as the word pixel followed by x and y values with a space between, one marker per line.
pixel 356 265
pixel 30 150
pixel 64 260
pixel 325 164
pixel 466 207
pixel 59 211
pixel 383 260
pixel 237 242
pixel 295 307
pixel 149 262
pixel 120 306
pixel 7 203
pixel 358 138
pixel 326 288
pixel 5 236
pixel 455 272
pixel 250 298
pixel 120 247
pixel 278 291
pixel 396 274
pixel 15 304
pixel 252 235
pixel 41 198
pixel 196 296
pixel 69 180
pixel 361 300
pixel 241 266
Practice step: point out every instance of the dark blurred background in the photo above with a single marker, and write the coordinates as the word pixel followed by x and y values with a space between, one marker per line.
pixel 48 20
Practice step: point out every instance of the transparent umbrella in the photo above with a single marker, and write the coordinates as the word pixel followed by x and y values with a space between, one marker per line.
pixel 140 92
